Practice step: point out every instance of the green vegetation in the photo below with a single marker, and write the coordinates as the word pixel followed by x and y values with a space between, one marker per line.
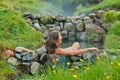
pixel 111 16
pixel 14 31
pixel 46 19
pixel 105 68
pixel 112 38
pixel 103 5
pixel 5 70
pixel 91 36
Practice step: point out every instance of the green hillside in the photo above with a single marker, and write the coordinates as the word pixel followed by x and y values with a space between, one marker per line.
pixel 105 4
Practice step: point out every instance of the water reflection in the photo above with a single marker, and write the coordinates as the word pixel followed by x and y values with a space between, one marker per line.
pixel 83 44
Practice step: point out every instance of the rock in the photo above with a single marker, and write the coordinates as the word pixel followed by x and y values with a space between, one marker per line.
pixel 64 34
pixel 43 28
pixel 80 26
pixel 13 61
pixel 52 58
pixel 91 15
pixel 18 49
pixel 98 38
pixel 37 26
pixel 27 14
pixel 74 58
pixel 54 28
pixel 60 18
pixel 35 16
pixel 41 50
pixel 93 28
pixel 29 21
pixel 100 13
pixel 45 34
pixel 34 67
pixel 87 56
pixel 69 27
pixel 7 53
pixel 88 20
pixel 81 36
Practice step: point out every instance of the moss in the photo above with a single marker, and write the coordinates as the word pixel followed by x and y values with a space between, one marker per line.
pixel 91 36
pixel 46 19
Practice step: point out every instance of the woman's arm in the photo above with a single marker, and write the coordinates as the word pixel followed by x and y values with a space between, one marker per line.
pixel 61 51
pixel 23 49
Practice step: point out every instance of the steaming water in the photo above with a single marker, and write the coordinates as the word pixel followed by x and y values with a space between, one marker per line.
pixel 83 44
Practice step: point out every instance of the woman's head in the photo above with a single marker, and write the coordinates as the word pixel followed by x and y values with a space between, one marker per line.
pixel 53 41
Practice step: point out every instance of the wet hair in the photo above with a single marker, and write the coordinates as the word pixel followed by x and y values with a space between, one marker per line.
pixel 50 44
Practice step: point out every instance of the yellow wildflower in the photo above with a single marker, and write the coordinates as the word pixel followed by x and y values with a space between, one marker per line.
pixel 75 77
pixel 87 68
pixel 54 71
pixel 118 64
pixel 108 77
pixel 72 70
pixel 81 60
pixel 77 67
pixel 42 75
pixel 53 60
pixel 68 63
pixel 98 58
pixel 56 60
pixel 111 63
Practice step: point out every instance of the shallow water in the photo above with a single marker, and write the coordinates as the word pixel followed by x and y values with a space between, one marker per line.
pixel 83 44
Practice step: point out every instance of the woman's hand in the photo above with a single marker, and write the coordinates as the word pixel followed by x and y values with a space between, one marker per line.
pixel 93 49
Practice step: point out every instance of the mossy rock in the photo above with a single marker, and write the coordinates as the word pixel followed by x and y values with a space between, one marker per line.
pixel 46 19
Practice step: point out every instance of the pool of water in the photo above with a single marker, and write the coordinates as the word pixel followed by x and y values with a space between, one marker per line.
pixel 83 44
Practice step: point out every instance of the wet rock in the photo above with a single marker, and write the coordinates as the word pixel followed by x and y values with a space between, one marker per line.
pixel 81 36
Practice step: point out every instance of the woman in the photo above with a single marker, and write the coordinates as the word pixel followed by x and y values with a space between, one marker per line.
pixel 55 39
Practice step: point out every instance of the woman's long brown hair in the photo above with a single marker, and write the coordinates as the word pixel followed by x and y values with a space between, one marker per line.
pixel 50 44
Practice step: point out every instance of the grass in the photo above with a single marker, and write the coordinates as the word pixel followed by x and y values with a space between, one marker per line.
pixel 105 68
pixel 102 5
pixel 14 31
pixel 112 38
